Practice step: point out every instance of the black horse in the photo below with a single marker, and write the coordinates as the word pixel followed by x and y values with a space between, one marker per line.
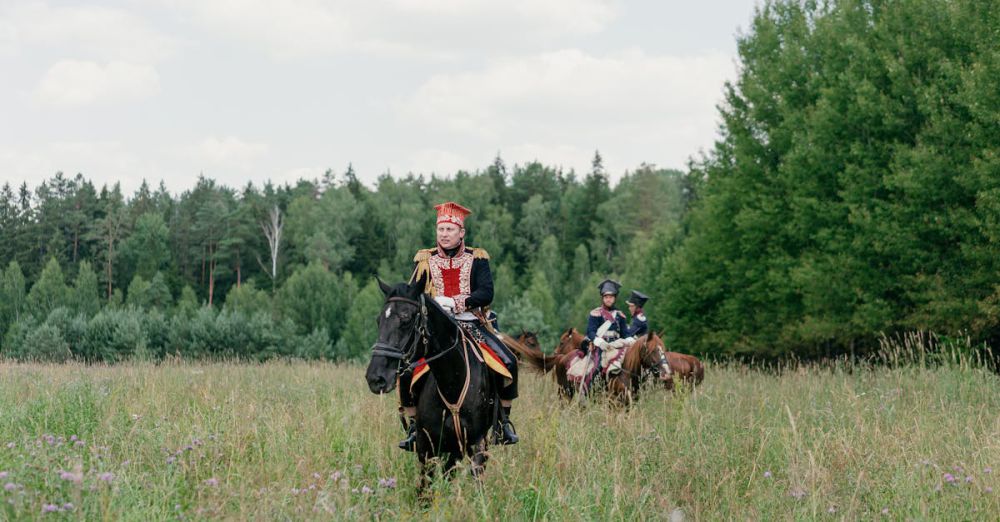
pixel 457 404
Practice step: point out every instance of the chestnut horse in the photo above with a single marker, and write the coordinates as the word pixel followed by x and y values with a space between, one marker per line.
pixel 644 357
pixel 687 368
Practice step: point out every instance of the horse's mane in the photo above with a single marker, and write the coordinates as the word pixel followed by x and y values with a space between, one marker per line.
pixel 633 357
pixel 404 290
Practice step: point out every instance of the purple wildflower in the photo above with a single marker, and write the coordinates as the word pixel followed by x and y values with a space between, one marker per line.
pixel 3 475
pixel 196 442
pixel 296 491
pixel 949 478
pixel 767 474
pixel 968 479
pixel 11 445
pixel 797 493
pixel 367 490
pixel 335 476
pixel 10 486
pixel 316 475
pixel 79 444
pixel 73 438
pixel 107 476
pixel 387 482
pixel 212 482
pixel 986 470
pixel 988 489
pixel 831 510
pixel 76 478
pixel 50 508
pixel 171 459
pixel 885 511
pixel 68 506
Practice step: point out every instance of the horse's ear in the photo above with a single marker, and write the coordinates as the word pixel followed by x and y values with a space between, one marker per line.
pixel 418 286
pixel 382 286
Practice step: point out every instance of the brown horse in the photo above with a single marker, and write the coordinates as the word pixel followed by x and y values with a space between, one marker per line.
pixel 685 368
pixel 643 358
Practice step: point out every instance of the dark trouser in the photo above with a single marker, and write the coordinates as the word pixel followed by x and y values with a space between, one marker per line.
pixel 407 398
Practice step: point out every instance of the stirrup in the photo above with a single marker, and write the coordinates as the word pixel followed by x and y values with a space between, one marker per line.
pixel 410 442
pixel 505 434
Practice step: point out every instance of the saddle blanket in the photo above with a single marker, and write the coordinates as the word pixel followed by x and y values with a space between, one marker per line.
pixel 579 366
pixel 484 353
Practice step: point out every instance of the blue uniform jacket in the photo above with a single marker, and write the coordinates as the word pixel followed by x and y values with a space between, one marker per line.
pixel 638 327
pixel 597 318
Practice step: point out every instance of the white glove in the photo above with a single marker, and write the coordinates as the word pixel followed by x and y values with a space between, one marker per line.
pixel 446 302
pixel 629 340
pixel 600 343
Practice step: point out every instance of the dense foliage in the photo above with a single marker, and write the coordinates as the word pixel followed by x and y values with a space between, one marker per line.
pixel 856 187
pixel 854 191
pixel 94 275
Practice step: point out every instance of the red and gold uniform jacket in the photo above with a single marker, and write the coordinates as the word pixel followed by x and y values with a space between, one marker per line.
pixel 462 274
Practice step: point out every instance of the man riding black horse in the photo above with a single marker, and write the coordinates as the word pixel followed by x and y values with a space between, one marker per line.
pixel 459 279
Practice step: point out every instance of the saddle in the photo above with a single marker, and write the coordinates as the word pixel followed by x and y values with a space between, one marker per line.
pixel 482 352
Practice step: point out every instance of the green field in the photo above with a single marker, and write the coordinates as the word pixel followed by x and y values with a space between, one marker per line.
pixel 309 441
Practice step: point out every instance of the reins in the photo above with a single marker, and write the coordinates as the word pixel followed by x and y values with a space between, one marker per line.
pixel 420 335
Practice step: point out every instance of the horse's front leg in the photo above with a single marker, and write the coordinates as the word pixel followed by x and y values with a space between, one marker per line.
pixel 479 458
pixel 424 480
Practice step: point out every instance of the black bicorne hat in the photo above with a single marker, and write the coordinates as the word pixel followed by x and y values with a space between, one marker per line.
pixel 637 298
pixel 609 286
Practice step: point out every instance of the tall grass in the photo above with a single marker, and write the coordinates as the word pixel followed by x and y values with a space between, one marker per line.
pixel 308 441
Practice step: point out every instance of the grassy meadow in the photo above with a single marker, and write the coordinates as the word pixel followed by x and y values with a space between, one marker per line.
pixel 292 441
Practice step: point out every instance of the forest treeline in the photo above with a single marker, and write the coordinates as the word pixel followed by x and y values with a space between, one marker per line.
pixel 289 270
pixel 853 192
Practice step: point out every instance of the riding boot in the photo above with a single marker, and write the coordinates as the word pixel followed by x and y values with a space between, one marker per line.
pixel 505 429
pixel 410 442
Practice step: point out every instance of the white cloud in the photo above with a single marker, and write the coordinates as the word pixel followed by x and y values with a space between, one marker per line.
pixel 435 161
pixel 287 28
pixel 100 33
pixel 102 162
pixel 71 83
pixel 569 100
pixel 230 151
pixel 428 28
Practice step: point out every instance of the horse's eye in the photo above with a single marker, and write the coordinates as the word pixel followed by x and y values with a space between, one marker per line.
pixel 405 317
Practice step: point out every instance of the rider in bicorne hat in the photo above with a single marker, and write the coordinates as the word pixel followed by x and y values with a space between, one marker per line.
pixel 639 326
pixel 460 281
pixel 606 323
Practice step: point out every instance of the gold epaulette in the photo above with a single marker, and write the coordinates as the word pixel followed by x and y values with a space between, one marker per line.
pixel 480 253
pixel 422 268
pixel 423 255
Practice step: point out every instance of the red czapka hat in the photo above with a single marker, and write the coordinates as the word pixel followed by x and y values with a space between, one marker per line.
pixel 452 212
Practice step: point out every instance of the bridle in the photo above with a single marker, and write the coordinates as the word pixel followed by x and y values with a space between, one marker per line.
pixel 405 354
pixel 415 337
pixel 661 360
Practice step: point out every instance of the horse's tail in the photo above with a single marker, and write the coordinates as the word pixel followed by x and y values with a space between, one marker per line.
pixel 536 359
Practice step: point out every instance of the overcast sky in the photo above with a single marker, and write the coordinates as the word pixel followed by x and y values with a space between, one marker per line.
pixel 245 90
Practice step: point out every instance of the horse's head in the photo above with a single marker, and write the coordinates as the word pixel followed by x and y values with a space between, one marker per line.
pixel 529 339
pixel 402 324
pixel 569 341
pixel 654 357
